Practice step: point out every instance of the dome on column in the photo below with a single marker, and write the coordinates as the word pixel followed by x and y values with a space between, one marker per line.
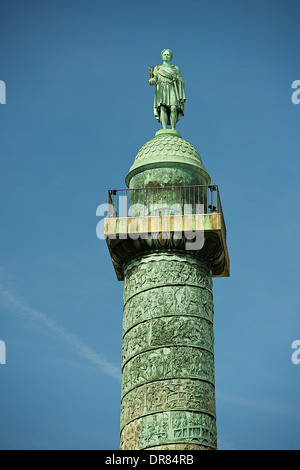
pixel 169 150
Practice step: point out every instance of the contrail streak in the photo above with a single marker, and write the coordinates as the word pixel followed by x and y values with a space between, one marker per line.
pixel 12 302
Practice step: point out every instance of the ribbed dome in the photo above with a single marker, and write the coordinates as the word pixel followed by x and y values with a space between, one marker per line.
pixel 166 146
pixel 167 159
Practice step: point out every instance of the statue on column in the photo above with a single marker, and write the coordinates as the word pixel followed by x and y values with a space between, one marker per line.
pixel 169 91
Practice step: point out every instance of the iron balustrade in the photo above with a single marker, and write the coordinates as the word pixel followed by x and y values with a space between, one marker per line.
pixel 168 200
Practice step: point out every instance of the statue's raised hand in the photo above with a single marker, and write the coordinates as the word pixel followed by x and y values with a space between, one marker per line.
pixel 152 81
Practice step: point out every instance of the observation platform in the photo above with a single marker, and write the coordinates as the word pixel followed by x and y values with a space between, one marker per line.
pixel 172 218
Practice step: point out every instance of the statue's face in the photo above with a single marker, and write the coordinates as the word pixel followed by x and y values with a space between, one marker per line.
pixel 166 55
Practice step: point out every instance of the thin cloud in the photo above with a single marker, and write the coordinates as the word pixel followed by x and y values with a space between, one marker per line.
pixel 15 304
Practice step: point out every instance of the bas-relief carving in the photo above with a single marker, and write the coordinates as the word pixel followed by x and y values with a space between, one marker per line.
pixel 165 272
pixel 164 363
pixel 185 258
pixel 176 394
pixel 177 427
pixel 180 447
pixel 167 354
pixel 130 436
pixel 168 331
pixel 168 300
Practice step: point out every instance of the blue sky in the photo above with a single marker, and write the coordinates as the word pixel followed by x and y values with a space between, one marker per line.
pixel 78 108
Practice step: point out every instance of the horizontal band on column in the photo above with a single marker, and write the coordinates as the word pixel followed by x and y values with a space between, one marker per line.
pixel 167 346
pixel 167 395
pixel 168 301
pixel 172 427
pixel 200 379
pixel 183 410
pixel 166 284
pixel 168 363
pixel 165 272
pixel 171 315
pixel 183 258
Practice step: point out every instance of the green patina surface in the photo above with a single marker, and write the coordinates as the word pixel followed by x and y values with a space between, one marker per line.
pixel 168 383
pixel 168 386
pixel 168 359
pixel 169 91
pixel 167 160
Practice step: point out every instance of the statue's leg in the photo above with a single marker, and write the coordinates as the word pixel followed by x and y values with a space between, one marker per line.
pixel 163 116
pixel 173 116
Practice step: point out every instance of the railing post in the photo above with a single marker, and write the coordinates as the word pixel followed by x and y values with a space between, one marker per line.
pixel 109 204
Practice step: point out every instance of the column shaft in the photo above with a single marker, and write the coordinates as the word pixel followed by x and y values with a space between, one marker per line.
pixel 168 392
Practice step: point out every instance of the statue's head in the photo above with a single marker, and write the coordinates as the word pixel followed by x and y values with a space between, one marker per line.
pixel 166 54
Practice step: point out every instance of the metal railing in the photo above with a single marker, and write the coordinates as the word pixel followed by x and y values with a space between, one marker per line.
pixel 168 200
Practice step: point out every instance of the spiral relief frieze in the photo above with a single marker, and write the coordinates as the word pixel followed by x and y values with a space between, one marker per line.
pixel 168 352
